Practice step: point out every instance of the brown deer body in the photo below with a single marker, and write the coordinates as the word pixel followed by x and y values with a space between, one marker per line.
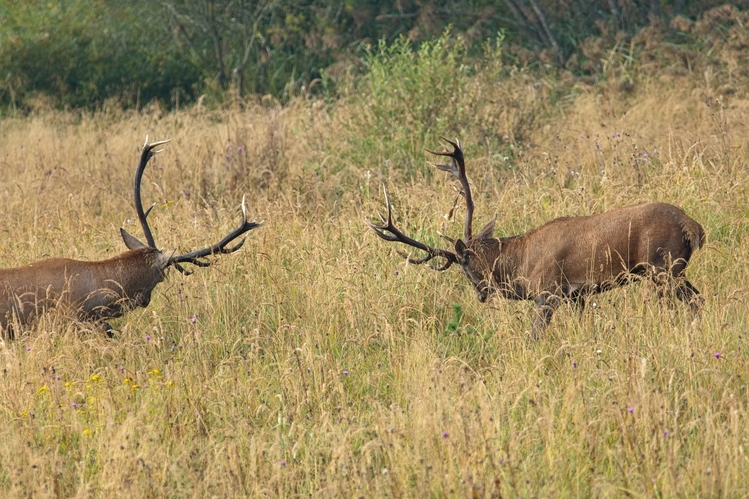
pixel 568 258
pixel 106 289
pixel 92 290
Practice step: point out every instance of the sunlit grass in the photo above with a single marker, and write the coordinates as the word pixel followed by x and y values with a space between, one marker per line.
pixel 316 360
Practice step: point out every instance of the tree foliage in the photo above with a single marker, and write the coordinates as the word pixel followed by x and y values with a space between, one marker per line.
pixel 84 52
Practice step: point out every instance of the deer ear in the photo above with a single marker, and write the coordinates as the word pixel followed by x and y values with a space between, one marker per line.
pixel 131 241
pixel 460 247
pixel 163 260
pixel 488 229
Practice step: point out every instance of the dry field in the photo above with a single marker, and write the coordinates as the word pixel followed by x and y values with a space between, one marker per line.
pixel 315 361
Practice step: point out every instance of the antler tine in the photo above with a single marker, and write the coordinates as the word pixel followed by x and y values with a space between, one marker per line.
pixel 456 153
pixel 389 232
pixel 387 223
pixel 220 247
pixel 182 269
pixel 146 154
pixel 154 144
pixel 446 238
pixel 458 168
pixel 148 211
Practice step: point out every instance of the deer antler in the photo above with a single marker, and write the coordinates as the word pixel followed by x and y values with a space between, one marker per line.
pixel 194 257
pixel 389 232
pixel 458 168
pixel 146 154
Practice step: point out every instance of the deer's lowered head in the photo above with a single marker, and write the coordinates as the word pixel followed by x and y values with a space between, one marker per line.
pixel 568 258
pixel 473 254
pixel 106 289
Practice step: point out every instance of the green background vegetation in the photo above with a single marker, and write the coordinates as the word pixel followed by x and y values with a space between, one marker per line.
pixel 85 53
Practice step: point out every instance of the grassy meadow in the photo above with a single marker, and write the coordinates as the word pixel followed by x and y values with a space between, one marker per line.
pixel 316 361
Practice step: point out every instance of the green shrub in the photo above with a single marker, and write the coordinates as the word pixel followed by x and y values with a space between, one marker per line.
pixel 414 93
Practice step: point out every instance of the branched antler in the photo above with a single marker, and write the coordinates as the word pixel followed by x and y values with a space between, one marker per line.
pixel 195 257
pixel 389 232
pixel 146 154
pixel 458 168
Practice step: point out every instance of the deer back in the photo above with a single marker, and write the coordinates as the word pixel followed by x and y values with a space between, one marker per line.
pixel 582 251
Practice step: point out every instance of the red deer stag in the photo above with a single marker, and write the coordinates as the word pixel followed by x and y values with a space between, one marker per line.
pixel 568 258
pixel 98 291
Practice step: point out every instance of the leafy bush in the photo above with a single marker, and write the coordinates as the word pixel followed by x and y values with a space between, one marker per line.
pixel 413 93
pixel 416 90
pixel 83 53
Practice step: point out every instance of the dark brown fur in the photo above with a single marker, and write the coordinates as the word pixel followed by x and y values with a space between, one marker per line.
pixel 571 257
pixel 95 291
pixel 568 258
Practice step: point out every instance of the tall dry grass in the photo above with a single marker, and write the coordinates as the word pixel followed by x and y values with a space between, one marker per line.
pixel 316 361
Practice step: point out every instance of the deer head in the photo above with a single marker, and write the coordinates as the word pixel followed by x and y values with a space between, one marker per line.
pixel 470 252
pixel 567 258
